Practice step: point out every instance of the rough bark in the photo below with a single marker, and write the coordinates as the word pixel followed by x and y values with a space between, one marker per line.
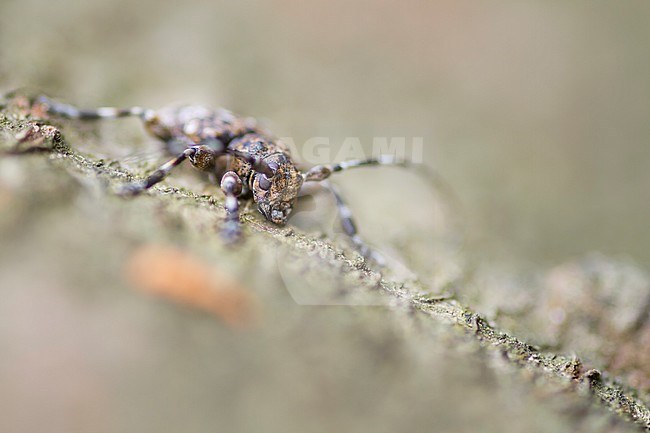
pixel 394 354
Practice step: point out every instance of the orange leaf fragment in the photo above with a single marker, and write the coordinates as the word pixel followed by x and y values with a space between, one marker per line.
pixel 181 277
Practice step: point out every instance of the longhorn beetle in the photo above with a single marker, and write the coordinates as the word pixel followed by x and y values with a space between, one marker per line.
pixel 235 151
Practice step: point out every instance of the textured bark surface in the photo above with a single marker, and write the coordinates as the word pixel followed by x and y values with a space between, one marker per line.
pixel 291 331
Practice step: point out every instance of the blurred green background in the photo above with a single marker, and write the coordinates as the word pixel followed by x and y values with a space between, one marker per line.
pixel 537 113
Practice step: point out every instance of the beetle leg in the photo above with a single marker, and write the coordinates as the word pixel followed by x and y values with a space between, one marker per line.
pixel 322 172
pixel 231 185
pixel 72 112
pixel 161 173
pixel 350 227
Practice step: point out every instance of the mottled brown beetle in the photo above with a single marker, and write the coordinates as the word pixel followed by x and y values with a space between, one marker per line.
pixel 246 160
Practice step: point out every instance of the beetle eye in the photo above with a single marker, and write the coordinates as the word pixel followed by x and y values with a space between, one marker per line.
pixel 264 182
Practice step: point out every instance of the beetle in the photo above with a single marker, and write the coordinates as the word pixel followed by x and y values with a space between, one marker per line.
pixel 238 154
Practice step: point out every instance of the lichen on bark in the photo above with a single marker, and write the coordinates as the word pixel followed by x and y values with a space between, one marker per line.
pixel 390 333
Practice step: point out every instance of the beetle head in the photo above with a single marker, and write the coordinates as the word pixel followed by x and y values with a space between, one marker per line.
pixel 275 195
